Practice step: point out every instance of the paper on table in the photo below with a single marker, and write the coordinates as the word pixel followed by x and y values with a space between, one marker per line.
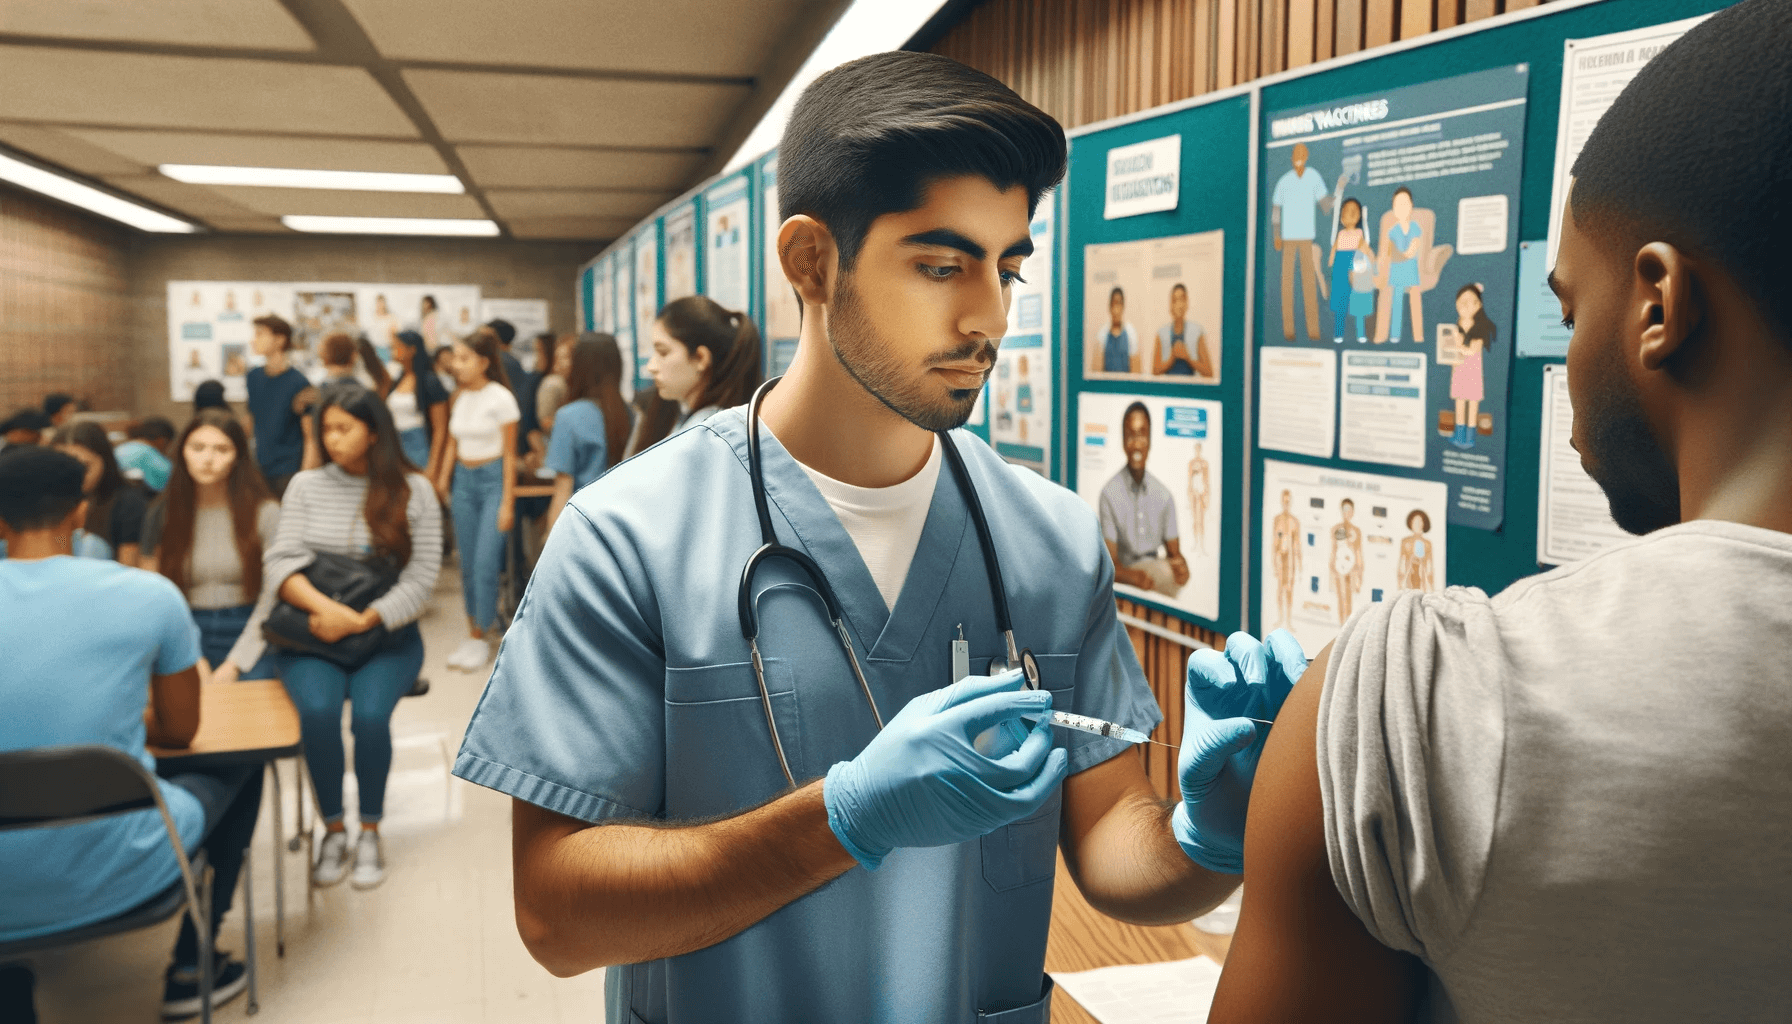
pixel 1177 992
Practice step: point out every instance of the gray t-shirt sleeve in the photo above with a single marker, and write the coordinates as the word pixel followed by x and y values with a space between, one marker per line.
pixel 1411 743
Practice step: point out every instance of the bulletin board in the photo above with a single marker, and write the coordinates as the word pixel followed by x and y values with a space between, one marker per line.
pixel 646 298
pixel 780 313
pixel 587 296
pixel 727 218
pixel 1200 245
pixel 1490 559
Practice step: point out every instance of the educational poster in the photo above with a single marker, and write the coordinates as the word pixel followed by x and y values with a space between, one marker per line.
pixel 459 313
pixel 1297 410
pixel 1150 466
pixel 783 313
pixel 439 313
pixel 210 331
pixel 1335 542
pixel 528 316
pixel 1574 519
pixel 1594 72
pixel 681 252
pixel 1152 309
pixel 318 312
pixel 728 213
pixel 646 299
pixel 1391 238
pixel 1020 390
pixel 604 290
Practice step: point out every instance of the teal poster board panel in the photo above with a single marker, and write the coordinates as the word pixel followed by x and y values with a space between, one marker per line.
pixel 1491 560
pixel 587 298
pixel 1197 456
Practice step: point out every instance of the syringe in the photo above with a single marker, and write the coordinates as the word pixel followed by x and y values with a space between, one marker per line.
pixel 1112 730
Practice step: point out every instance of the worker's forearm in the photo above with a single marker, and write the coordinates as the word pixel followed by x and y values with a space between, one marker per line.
pixel 1130 867
pixel 625 893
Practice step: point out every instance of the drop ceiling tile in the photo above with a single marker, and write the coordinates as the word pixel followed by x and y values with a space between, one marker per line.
pixel 595 228
pixel 62 148
pixel 542 167
pixel 199 201
pixel 695 36
pixel 246 24
pixel 152 148
pixel 529 203
pixel 541 109
pixel 343 203
pixel 129 89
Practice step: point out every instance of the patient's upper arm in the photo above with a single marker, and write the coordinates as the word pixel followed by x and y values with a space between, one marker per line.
pixel 1299 953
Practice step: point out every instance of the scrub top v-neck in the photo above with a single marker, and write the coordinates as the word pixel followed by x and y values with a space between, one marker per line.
pixel 623 691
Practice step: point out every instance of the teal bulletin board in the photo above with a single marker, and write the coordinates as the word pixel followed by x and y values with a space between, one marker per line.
pixel 1490 560
pixel 726 216
pixel 650 287
pixel 587 296
pixel 1214 184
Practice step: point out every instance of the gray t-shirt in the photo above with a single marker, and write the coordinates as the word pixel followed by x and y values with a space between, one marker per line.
pixel 215 571
pixel 1573 801
pixel 1137 516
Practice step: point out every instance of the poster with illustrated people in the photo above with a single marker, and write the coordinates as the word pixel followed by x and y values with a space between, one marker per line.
pixel 1150 467
pixel 783 313
pixel 681 252
pixel 211 330
pixel 318 312
pixel 1019 396
pixel 1390 233
pixel 727 240
pixel 1152 309
pixel 438 312
pixel 1335 542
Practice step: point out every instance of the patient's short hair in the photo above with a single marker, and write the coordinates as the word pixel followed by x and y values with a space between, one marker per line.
pixel 39 486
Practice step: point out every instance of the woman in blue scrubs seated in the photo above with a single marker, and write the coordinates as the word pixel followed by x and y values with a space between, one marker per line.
pixel 907 874
pixel 207 533
pixel 89 645
pixel 591 428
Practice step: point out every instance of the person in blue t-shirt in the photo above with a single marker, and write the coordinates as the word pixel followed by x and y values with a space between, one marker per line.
pixel 101 653
pixel 144 456
pixel 591 429
pixel 276 403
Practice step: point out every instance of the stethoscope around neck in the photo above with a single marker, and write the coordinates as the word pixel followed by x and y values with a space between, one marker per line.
pixel 770 549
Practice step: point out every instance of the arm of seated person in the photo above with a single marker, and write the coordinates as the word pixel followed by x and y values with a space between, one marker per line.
pixel 1300 953
pixel 172 718
pixel 330 620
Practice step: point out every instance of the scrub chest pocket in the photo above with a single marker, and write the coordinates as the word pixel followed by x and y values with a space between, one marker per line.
pixel 719 754
pixel 1025 852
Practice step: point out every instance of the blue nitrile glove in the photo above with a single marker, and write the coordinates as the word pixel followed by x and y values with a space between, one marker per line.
pixel 920 782
pixel 1221 745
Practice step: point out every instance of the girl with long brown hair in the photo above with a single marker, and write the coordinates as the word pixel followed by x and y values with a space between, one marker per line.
pixel 362 502
pixel 479 470
pixel 207 532
pixel 591 429
pixel 115 506
pixel 705 358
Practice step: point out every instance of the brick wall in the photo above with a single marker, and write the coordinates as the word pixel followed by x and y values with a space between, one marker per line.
pixel 64 317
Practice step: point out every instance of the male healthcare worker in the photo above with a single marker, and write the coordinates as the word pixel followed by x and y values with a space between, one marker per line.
pixel 907 876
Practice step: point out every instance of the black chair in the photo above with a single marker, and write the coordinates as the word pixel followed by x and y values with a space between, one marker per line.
pixel 54 786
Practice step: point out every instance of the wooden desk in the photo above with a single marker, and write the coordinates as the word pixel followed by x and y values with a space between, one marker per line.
pixel 1083 938
pixel 247 722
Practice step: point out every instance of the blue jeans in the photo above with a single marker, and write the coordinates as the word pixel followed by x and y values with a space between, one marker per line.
pixel 476 496
pixel 218 630
pixel 318 689
pixel 415 443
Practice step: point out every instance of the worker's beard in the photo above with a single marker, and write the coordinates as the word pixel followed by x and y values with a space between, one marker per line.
pixel 913 396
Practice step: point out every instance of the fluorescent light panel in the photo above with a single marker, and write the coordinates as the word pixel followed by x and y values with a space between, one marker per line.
pixel 74 193
pixel 390 226
pixel 290 177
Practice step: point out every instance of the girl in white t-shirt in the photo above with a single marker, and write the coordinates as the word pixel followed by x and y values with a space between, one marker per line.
pixel 479 472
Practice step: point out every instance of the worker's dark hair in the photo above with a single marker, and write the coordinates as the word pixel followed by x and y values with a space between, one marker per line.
pixel 55 401
pixel 38 486
pixel 868 137
pixel 210 395
pixel 278 327
pixel 505 330
pixel 1138 407
pixel 151 428
pixel 1696 152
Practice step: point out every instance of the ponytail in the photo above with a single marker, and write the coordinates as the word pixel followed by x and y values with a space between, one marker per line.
pixel 733 342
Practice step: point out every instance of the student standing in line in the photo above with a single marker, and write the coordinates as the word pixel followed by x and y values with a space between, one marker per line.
pixel 554 363
pixel 207 533
pixel 519 379
pixel 60 408
pixel 705 358
pixel 419 404
pixel 96 652
pixel 361 502
pixel 593 425
pixel 144 456
pixel 115 506
pixel 275 403
pixel 479 471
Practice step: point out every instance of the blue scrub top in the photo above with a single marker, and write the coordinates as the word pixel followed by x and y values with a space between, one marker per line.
pixel 623 690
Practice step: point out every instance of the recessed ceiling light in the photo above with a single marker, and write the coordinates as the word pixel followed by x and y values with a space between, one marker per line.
pixel 74 193
pixel 288 177
pixel 390 225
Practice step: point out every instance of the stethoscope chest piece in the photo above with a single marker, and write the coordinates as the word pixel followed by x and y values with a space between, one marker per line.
pixel 1029 668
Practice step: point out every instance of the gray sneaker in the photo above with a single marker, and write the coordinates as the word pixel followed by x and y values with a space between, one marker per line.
pixel 332 859
pixel 370 866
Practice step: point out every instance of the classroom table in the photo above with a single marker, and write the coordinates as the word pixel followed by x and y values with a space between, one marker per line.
pixel 1083 938
pixel 245 722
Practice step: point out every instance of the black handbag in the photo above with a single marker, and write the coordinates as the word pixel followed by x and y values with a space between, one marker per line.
pixel 346 580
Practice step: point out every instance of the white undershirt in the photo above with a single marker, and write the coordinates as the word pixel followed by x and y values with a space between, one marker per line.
pixel 884 522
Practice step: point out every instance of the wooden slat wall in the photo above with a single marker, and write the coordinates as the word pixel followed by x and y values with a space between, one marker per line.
pixel 64 311
pixel 1088 60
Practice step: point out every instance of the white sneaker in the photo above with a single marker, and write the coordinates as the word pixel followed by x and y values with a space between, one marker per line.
pixel 370 866
pixel 332 859
pixel 471 655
